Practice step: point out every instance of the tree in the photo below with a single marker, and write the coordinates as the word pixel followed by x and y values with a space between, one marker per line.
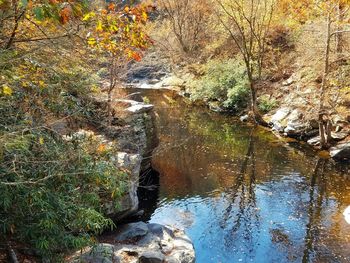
pixel 332 10
pixel 248 23
pixel 188 20
pixel 119 34
pixel 23 20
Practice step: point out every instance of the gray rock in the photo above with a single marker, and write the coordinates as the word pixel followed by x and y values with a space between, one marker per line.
pixel 132 231
pixel 341 152
pixel 295 116
pixel 139 108
pixel 102 253
pixel 160 230
pixel 151 257
pixel 280 115
pixel 295 129
pixel 129 202
pixel 244 118
pixel 157 244
pixel 278 127
pixel 311 134
pixel 314 141
pixel 339 136
pixel 288 82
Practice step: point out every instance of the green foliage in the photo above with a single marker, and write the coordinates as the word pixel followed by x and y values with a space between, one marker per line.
pixel 223 81
pixel 52 189
pixel 266 103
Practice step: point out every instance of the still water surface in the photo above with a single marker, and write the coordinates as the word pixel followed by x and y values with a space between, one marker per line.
pixel 242 194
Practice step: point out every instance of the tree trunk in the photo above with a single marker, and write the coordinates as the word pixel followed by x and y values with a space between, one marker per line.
pixel 110 90
pixel 339 36
pixel 253 104
pixel 109 107
pixel 325 125
pixel 17 18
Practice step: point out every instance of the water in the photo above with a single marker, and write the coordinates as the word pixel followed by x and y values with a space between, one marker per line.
pixel 243 195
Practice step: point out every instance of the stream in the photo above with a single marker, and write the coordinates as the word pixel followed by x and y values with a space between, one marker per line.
pixel 242 194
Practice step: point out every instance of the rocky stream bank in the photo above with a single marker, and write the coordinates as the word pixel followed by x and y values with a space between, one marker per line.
pixel 295 117
pixel 133 137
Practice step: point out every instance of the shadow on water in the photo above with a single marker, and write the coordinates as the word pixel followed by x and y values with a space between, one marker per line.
pixel 240 193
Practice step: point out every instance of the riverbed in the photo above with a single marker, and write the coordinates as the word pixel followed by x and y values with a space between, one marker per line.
pixel 242 194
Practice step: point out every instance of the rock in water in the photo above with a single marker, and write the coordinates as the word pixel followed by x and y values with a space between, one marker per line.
pixel 341 151
pixel 151 257
pixel 347 215
pixel 132 231
pixel 142 243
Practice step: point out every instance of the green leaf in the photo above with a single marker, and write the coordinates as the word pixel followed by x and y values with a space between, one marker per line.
pixel 39 13
pixel 24 3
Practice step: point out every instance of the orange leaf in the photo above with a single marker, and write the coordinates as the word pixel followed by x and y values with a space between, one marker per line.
pixel 111 6
pixel 65 15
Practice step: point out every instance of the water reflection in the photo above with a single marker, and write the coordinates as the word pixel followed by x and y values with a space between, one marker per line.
pixel 243 195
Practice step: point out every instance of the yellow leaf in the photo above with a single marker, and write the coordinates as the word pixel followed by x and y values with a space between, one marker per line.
pixel 41 83
pixel 41 140
pixel 101 148
pixel 6 90
pixel 91 41
pixel 88 16
pixel 99 26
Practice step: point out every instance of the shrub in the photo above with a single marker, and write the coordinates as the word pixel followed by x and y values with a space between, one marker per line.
pixel 51 189
pixel 223 81
pixel 266 103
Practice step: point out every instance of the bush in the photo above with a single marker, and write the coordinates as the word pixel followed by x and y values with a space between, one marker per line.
pixel 52 190
pixel 266 103
pixel 223 81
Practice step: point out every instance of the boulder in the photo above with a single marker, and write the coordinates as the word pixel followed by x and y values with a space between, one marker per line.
pixel 142 243
pixel 139 108
pixel 341 152
pixel 129 202
pixel 152 257
pixel 101 253
pixel 280 115
pixel 131 231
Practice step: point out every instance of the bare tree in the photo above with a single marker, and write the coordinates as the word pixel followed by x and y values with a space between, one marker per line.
pixel 188 21
pixel 248 23
pixel 332 10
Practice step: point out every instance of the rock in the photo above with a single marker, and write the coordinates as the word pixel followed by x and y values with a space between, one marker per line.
pixel 141 243
pixel 346 214
pixel 313 123
pixel 159 230
pixel 288 82
pixel 295 129
pixel 339 136
pixel 102 253
pixel 348 118
pixel 339 121
pixel 131 231
pixel 311 134
pixel 129 202
pixel 139 108
pixel 244 118
pixel 215 106
pixel 278 127
pixel 151 257
pixel 280 115
pixel 314 141
pixel 341 151
pixel 295 116
pixel 172 81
